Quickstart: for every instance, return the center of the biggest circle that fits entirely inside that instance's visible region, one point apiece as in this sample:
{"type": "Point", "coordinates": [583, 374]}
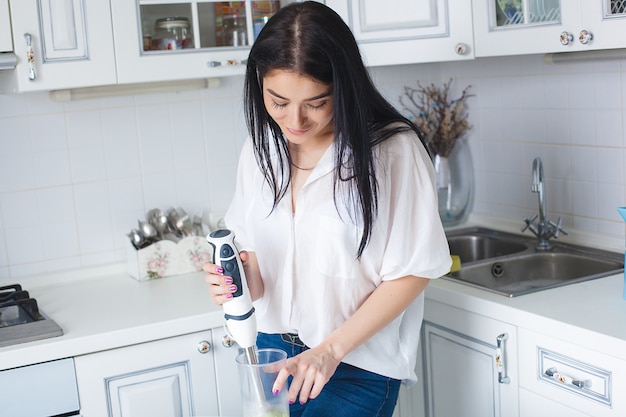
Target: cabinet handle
{"type": "Point", "coordinates": [461, 48]}
{"type": "Point", "coordinates": [585, 37]}
{"type": "Point", "coordinates": [566, 379]}
{"type": "Point", "coordinates": [502, 378]}
{"type": "Point", "coordinates": [566, 38]}
{"type": "Point", "coordinates": [30, 56]}
{"type": "Point", "coordinates": [204, 347]}
{"type": "Point", "coordinates": [227, 63]}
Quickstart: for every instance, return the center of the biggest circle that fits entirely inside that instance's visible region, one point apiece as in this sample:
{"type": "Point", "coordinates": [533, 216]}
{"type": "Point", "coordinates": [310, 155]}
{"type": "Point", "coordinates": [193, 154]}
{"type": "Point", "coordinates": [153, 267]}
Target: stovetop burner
{"type": "Point", "coordinates": [20, 318]}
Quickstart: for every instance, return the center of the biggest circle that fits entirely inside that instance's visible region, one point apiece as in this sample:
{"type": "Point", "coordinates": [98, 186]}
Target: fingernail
{"type": "Point", "coordinates": [233, 288]}
{"type": "Point", "coordinates": [229, 296]}
{"type": "Point", "coordinates": [291, 402]}
{"type": "Point", "coordinates": [275, 392]}
{"type": "Point", "coordinates": [302, 402]}
{"type": "Point", "coordinates": [220, 270]}
{"type": "Point", "coordinates": [228, 280]}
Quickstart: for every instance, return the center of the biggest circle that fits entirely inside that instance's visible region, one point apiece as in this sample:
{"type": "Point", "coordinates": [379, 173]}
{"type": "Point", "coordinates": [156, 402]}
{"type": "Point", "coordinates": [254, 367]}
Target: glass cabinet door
{"type": "Point", "coordinates": [517, 27]}
{"type": "Point", "coordinates": [175, 25]}
{"type": "Point", "coordinates": [166, 40]}
{"type": "Point", "coordinates": [602, 24]}
{"type": "Point", "coordinates": [525, 12]}
{"type": "Point", "coordinates": [616, 8]}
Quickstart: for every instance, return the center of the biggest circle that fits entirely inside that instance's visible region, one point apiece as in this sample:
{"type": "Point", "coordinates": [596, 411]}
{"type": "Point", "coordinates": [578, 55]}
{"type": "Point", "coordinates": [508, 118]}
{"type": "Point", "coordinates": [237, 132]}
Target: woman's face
{"type": "Point", "coordinates": [301, 105]}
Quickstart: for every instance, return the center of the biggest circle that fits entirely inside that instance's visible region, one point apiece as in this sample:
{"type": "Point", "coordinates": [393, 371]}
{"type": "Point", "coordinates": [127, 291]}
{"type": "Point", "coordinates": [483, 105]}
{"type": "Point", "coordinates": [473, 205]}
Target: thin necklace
{"type": "Point", "coordinates": [301, 169]}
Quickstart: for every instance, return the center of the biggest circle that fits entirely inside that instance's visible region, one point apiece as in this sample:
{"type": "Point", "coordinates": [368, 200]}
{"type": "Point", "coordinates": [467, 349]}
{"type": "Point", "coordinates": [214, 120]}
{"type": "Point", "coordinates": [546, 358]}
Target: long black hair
{"type": "Point", "coordinates": [310, 39]}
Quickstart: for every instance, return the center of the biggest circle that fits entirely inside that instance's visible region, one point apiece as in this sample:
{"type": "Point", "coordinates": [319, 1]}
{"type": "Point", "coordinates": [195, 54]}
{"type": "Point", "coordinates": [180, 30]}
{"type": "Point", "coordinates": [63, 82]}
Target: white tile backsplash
{"type": "Point", "coordinates": [76, 176]}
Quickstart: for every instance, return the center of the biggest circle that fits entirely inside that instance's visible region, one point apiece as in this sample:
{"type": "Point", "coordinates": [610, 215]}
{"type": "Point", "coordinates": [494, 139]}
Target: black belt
{"type": "Point", "coordinates": [292, 338]}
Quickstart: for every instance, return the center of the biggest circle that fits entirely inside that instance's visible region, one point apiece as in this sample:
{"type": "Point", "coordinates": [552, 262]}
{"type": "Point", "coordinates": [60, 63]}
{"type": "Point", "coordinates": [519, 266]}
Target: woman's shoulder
{"type": "Point", "coordinates": [403, 139]}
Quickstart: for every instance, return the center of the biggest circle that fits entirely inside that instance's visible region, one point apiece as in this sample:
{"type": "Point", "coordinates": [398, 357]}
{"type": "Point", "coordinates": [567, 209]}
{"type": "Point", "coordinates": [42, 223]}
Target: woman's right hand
{"type": "Point", "coordinates": [221, 286]}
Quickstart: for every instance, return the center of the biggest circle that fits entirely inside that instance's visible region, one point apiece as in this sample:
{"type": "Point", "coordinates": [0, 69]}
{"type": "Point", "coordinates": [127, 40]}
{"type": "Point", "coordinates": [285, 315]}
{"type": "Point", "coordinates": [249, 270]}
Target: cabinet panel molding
{"type": "Point", "coordinates": [462, 368]}
{"type": "Point", "coordinates": [603, 377]}
{"type": "Point", "coordinates": [462, 361]}
{"type": "Point", "coordinates": [63, 29]}
{"type": "Point", "coordinates": [162, 377]}
{"type": "Point", "coordinates": [162, 390]}
{"type": "Point", "coordinates": [556, 369]}
{"type": "Point", "coordinates": [375, 21]}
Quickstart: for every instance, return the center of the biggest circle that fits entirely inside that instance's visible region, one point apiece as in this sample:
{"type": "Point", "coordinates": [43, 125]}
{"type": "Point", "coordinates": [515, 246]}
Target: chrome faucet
{"type": "Point", "coordinates": [544, 229]}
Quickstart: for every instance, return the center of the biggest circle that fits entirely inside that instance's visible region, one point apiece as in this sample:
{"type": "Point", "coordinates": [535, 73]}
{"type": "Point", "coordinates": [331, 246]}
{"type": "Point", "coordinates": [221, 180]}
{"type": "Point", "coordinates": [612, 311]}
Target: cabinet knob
{"type": "Point", "coordinates": [566, 38]}
{"type": "Point", "coordinates": [227, 63]}
{"type": "Point", "coordinates": [585, 37]}
{"type": "Point", "coordinates": [227, 341]}
{"type": "Point", "coordinates": [204, 347]}
{"type": "Point", "coordinates": [461, 48]}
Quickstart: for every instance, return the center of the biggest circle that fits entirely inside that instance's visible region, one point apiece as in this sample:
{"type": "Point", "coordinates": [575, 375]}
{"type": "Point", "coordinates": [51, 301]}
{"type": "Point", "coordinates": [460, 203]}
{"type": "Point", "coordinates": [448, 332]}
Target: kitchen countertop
{"type": "Point", "coordinates": [100, 309]}
{"type": "Point", "coordinates": [104, 308]}
{"type": "Point", "coordinates": [590, 314]}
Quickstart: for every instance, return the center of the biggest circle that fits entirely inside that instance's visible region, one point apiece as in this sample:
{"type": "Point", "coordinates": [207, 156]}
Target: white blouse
{"type": "Point", "coordinates": [313, 281]}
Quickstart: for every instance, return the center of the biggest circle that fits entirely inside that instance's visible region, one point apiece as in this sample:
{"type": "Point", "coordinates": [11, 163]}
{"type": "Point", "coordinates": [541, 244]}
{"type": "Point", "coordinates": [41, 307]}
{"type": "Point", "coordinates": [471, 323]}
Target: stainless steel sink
{"type": "Point", "coordinates": [476, 244]}
{"type": "Point", "coordinates": [509, 264]}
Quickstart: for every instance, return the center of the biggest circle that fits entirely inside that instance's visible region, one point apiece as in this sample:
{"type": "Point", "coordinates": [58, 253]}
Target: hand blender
{"type": "Point", "coordinates": [238, 312]}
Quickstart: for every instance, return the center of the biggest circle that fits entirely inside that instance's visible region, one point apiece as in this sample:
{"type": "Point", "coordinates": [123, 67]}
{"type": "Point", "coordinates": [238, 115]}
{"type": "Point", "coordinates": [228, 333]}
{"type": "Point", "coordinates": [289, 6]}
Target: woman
{"type": "Point", "coordinates": [336, 215]}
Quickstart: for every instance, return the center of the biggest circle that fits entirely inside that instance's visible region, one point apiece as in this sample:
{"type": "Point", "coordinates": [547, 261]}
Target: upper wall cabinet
{"type": "Point", "coordinates": [60, 44]}
{"type": "Point", "coordinates": [393, 32]}
{"type": "Point", "coordinates": [6, 43]}
{"type": "Point", "coordinates": [159, 40]}
{"type": "Point", "coordinates": [65, 44]}
{"type": "Point", "coordinates": [514, 27]}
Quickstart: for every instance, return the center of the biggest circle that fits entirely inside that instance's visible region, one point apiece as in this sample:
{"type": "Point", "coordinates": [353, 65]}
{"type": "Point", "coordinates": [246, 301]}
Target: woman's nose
{"type": "Point", "coordinates": [296, 117]}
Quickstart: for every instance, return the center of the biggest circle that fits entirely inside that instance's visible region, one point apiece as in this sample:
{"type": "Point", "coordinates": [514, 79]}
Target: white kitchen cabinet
{"type": "Point", "coordinates": [465, 372]}
{"type": "Point", "coordinates": [534, 405]}
{"type": "Point", "coordinates": [516, 27]}
{"type": "Point", "coordinates": [562, 378]}
{"type": "Point", "coordinates": [189, 375]}
{"type": "Point", "coordinates": [216, 43]}
{"type": "Point", "coordinates": [71, 44]}
{"type": "Point", "coordinates": [394, 32]}
{"type": "Point", "coordinates": [6, 42]}
{"type": "Point", "coordinates": [411, 399]}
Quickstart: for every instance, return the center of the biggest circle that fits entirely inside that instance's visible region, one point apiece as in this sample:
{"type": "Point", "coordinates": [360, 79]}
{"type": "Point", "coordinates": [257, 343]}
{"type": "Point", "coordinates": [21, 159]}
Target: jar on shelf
{"type": "Point", "coordinates": [234, 29]}
{"type": "Point", "coordinates": [259, 23]}
{"type": "Point", "coordinates": [172, 33]}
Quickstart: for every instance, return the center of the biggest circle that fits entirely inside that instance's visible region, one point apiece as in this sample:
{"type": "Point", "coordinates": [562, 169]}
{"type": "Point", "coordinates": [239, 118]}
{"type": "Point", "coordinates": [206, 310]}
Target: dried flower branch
{"type": "Point", "coordinates": [442, 121]}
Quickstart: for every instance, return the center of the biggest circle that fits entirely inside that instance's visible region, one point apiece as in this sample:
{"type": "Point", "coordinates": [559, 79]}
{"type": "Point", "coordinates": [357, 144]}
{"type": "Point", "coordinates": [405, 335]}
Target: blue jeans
{"type": "Point", "coordinates": [351, 391]}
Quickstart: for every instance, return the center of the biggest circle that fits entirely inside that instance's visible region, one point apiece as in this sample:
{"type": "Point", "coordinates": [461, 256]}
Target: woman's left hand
{"type": "Point", "coordinates": [311, 370]}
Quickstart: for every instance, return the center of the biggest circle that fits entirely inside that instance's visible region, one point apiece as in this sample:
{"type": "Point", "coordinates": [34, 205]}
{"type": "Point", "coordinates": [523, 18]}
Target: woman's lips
{"type": "Point", "coordinates": [297, 131]}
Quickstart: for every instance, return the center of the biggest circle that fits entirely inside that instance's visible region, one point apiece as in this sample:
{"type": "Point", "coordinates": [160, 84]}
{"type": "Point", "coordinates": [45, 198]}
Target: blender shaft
{"type": "Point", "coordinates": [257, 385]}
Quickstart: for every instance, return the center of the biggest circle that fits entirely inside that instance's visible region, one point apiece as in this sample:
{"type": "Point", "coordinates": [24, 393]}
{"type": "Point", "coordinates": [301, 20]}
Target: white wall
{"type": "Point", "coordinates": [75, 177]}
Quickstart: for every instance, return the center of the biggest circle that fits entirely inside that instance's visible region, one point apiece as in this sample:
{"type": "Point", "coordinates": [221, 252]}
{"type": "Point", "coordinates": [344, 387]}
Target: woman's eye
{"type": "Point", "coordinates": [278, 105]}
{"type": "Point", "coordinates": [318, 106]}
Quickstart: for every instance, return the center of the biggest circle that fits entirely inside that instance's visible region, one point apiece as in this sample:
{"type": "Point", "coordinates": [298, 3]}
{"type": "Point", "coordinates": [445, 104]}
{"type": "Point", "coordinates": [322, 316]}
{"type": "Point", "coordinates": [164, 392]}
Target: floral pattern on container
{"type": "Point", "coordinates": [199, 255]}
{"type": "Point", "coordinates": [167, 258]}
{"type": "Point", "coordinates": [157, 265]}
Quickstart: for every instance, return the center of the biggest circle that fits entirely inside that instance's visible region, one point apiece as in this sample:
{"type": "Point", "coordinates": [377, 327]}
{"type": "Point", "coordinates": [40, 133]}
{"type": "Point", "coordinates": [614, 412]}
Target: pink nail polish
{"type": "Point", "coordinates": [275, 392]}
{"type": "Point", "coordinates": [291, 402]}
{"type": "Point", "coordinates": [229, 296]}
{"type": "Point", "coordinates": [220, 270]}
{"type": "Point", "coordinates": [228, 280]}
{"type": "Point", "coordinates": [233, 288]}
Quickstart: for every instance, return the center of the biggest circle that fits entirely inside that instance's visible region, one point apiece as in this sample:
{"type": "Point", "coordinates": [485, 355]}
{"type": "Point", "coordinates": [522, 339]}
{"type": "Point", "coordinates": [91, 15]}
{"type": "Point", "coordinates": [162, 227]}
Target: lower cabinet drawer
{"type": "Point", "coordinates": [567, 375]}
{"type": "Point", "coordinates": [534, 405]}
